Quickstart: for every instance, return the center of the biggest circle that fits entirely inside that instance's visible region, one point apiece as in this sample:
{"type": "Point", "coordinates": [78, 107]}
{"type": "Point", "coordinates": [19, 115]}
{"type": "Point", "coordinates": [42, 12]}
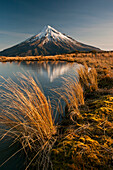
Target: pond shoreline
{"type": "Point", "coordinates": [98, 59]}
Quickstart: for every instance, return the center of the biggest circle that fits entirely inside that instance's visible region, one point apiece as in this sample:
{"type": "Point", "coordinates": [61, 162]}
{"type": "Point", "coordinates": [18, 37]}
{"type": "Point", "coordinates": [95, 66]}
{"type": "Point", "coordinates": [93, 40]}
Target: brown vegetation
{"type": "Point", "coordinates": [86, 140]}
{"type": "Point", "coordinates": [88, 78]}
{"type": "Point", "coordinates": [26, 116]}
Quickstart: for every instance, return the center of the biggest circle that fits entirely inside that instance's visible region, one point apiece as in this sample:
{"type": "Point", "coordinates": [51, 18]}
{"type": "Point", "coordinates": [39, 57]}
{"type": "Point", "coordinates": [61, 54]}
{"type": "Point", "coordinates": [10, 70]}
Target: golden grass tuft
{"type": "Point", "coordinates": [72, 95]}
{"type": "Point", "coordinates": [73, 92]}
{"type": "Point", "coordinates": [27, 117]}
{"type": "Point", "coordinates": [88, 78]}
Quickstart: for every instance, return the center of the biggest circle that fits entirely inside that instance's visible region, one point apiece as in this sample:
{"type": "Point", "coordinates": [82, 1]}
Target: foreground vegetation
{"type": "Point", "coordinates": [84, 137]}
{"type": "Point", "coordinates": [26, 116]}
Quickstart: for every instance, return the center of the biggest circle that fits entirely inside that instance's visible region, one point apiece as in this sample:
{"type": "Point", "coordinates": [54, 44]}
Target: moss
{"type": "Point", "coordinates": [103, 108]}
{"type": "Point", "coordinates": [82, 139]}
{"type": "Point", "coordinates": [104, 111]}
{"type": "Point", "coordinates": [93, 119]}
{"type": "Point", "coordinates": [88, 143]}
{"type": "Point", "coordinates": [93, 159]}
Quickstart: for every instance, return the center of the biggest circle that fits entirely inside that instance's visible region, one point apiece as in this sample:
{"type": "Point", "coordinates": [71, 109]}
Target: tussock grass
{"type": "Point", "coordinates": [72, 95]}
{"type": "Point", "coordinates": [26, 115]}
{"type": "Point", "coordinates": [73, 92]}
{"type": "Point", "coordinates": [88, 78]}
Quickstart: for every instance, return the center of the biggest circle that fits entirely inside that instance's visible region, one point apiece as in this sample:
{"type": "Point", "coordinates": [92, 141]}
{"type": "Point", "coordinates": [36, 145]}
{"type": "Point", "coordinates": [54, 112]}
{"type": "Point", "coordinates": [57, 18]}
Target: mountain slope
{"type": "Point", "coordinates": [48, 42]}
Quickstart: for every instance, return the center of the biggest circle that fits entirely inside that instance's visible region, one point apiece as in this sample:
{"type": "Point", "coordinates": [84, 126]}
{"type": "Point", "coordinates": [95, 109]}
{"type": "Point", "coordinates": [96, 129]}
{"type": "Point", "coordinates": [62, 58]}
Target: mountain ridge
{"type": "Point", "coordinates": [48, 42]}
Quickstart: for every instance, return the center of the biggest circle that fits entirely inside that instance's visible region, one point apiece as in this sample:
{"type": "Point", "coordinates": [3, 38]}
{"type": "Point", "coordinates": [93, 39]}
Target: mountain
{"type": "Point", "coordinates": [48, 42]}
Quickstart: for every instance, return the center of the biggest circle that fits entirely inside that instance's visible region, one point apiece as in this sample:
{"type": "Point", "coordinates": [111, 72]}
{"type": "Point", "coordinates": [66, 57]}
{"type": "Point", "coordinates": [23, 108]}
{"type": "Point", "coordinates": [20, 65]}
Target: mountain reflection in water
{"type": "Point", "coordinates": [52, 70]}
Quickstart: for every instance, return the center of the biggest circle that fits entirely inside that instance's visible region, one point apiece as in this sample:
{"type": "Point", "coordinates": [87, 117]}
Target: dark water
{"type": "Point", "coordinates": [49, 75]}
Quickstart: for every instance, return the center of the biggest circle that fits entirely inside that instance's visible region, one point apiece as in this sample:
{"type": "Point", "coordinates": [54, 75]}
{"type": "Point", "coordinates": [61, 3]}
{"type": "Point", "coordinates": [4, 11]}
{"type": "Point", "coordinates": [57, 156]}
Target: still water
{"type": "Point", "coordinates": [50, 76]}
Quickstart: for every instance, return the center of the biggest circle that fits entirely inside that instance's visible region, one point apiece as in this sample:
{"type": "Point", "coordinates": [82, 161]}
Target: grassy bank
{"type": "Point", "coordinates": [84, 138]}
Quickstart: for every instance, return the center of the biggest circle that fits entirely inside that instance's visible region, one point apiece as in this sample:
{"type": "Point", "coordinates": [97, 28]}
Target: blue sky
{"type": "Point", "coordinates": [87, 21]}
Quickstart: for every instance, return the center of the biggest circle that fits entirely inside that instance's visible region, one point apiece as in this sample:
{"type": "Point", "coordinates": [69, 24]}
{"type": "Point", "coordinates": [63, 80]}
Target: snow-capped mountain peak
{"type": "Point", "coordinates": [50, 34]}
{"type": "Point", "coordinates": [49, 29]}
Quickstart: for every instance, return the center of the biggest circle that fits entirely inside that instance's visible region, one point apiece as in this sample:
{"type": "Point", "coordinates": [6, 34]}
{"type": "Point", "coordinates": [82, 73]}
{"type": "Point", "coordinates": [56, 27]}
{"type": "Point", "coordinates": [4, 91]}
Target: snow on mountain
{"type": "Point", "coordinates": [48, 42]}
{"type": "Point", "coordinates": [50, 34]}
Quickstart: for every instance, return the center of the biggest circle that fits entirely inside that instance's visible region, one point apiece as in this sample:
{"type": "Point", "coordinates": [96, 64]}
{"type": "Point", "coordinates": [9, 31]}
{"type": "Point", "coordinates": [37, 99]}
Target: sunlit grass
{"type": "Point", "coordinates": [26, 115]}
{"type": "Point", "coordinates": [88, 78]}
{"type": "Point", "coordinates": [72, 94]}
